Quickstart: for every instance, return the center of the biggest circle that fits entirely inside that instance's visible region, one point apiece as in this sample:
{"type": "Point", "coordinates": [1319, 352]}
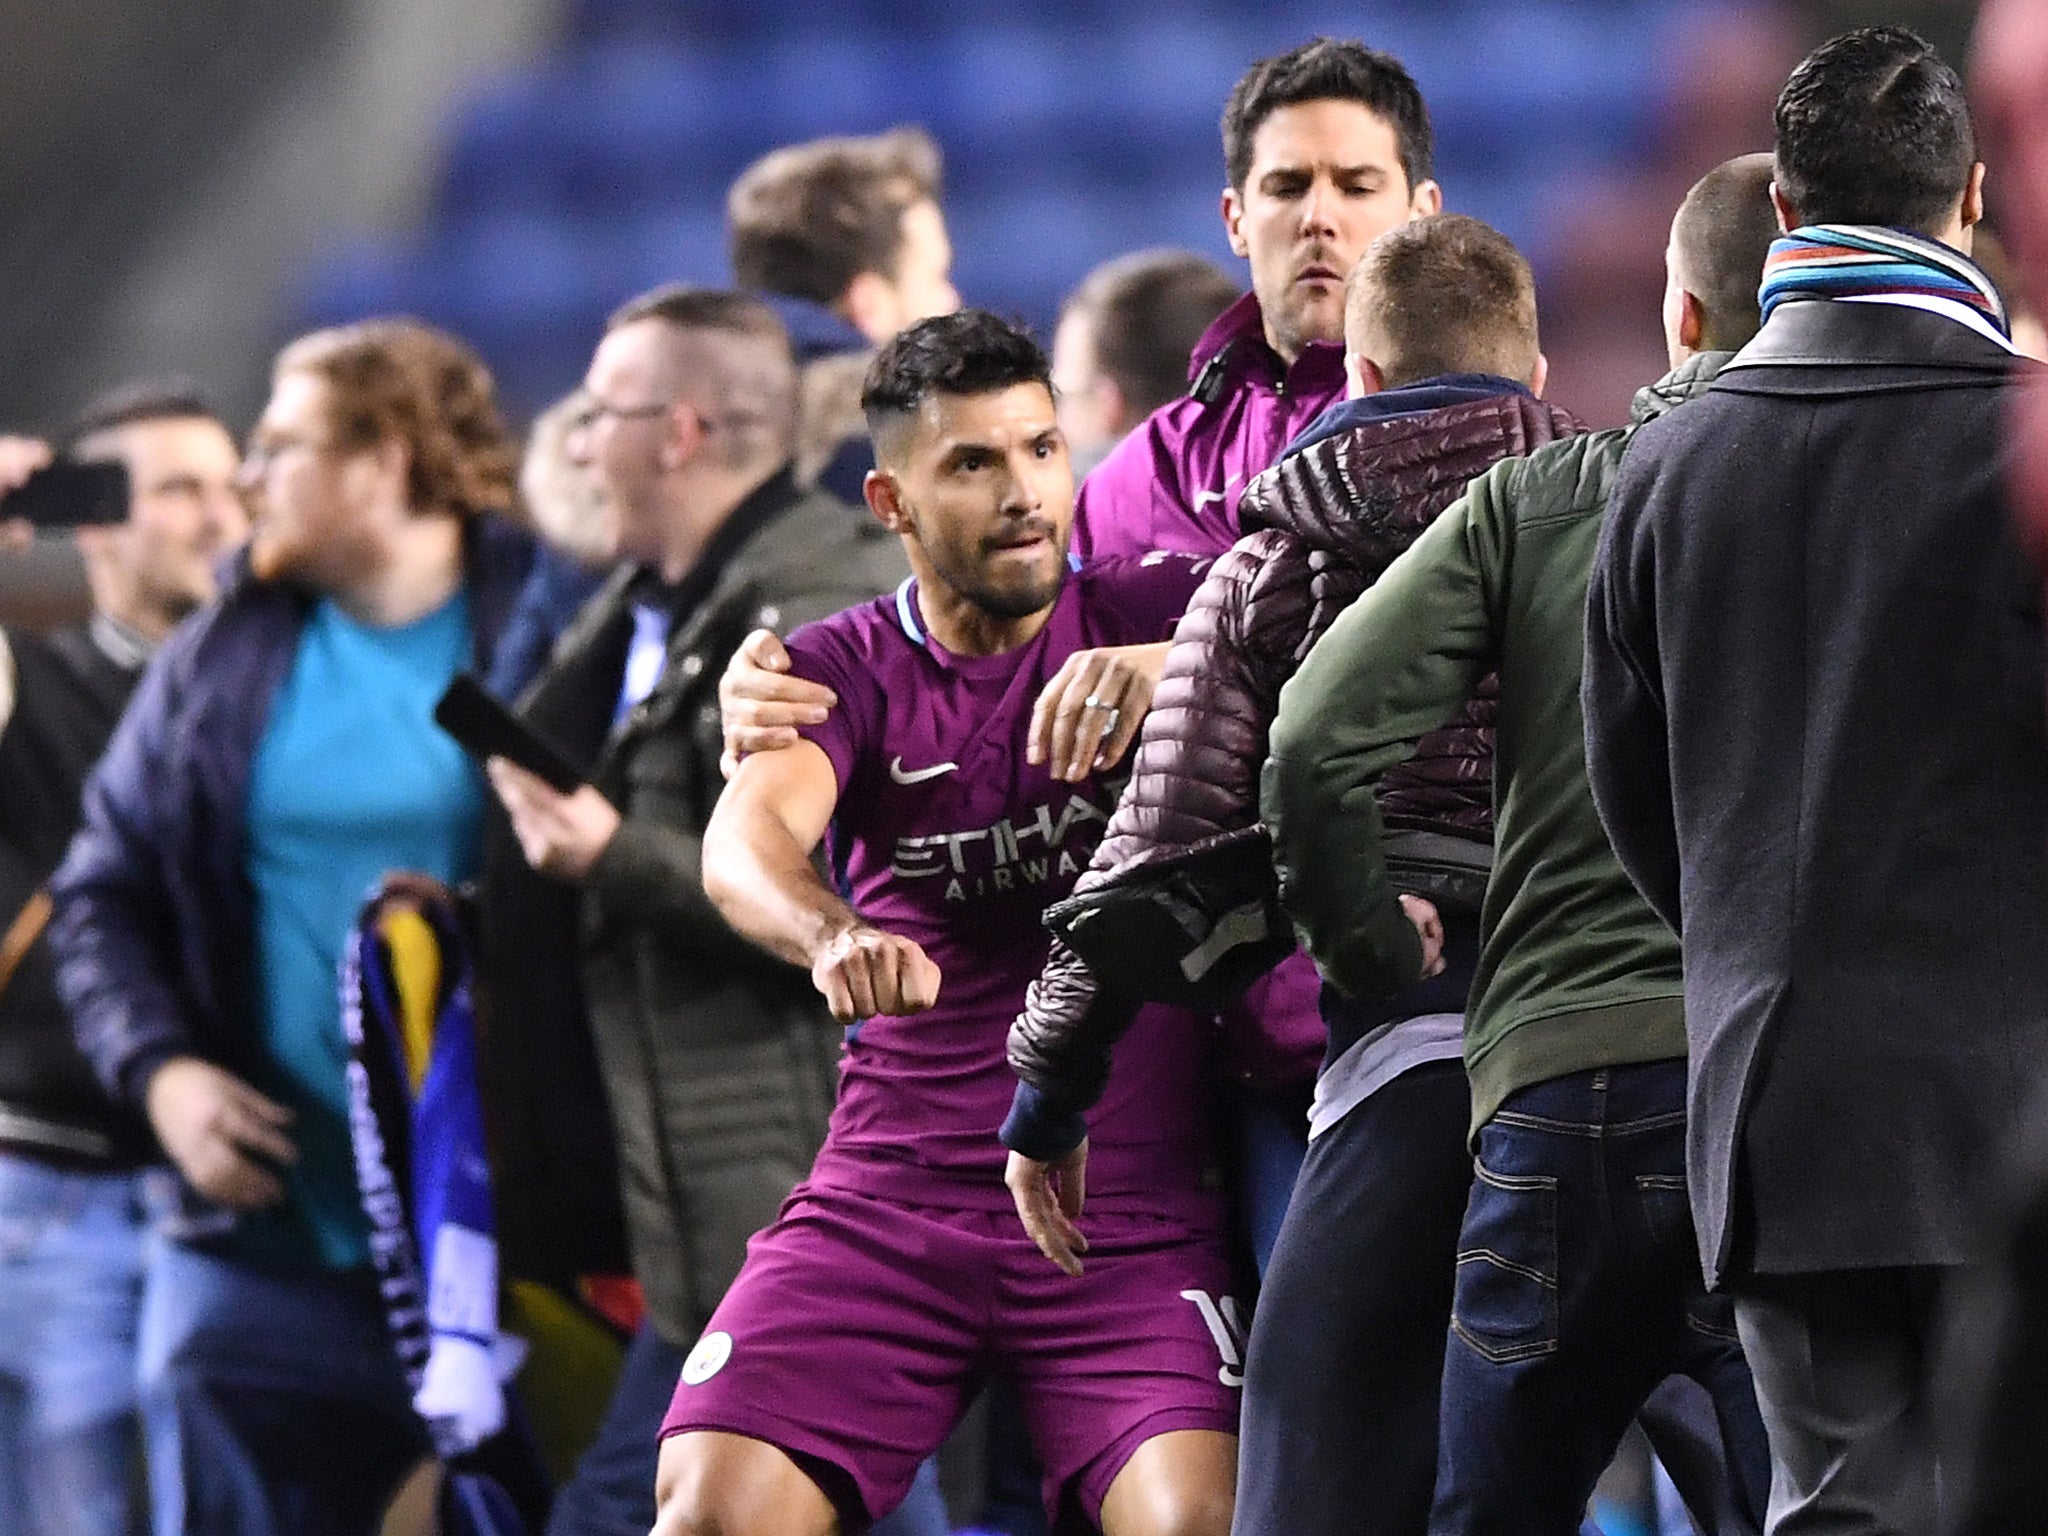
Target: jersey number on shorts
{"type": "Point", "coordinates": [1219, 1315]}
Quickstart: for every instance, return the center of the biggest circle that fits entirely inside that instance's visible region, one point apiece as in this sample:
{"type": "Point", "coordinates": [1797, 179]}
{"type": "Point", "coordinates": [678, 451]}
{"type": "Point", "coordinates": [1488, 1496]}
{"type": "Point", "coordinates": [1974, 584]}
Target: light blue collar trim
{"type": "Point", "coordinates": [906, 611]}
{"type": "Point", "coordinates": [906, 605]}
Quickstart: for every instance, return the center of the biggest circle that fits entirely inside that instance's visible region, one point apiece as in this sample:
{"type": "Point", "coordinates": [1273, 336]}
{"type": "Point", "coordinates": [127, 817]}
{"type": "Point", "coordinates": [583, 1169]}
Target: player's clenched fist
{"type": "Point", "coordinates": [864, 972]}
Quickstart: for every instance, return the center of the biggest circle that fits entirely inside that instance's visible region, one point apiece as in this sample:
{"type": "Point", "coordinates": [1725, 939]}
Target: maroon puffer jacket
{"type": "Point", "coordinates": [1328, 520]}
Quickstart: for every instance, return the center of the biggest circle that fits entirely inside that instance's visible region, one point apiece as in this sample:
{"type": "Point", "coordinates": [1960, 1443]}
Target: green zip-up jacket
{"type": "Point", "coordinates": [1575, 971]}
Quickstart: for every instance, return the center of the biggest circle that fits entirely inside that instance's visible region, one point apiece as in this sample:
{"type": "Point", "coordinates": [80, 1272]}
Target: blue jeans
{"type": "Point", "coordinates": [612, 1491]}
{"type": "Point", "coordinates": [1272, 1126]}
{"type": "Point", "coordinates": [273, 1403]}
{"type": "Point", "coordinates": [1578, 1291]}
{"type": "Point", "coordinates": [70, 1284]}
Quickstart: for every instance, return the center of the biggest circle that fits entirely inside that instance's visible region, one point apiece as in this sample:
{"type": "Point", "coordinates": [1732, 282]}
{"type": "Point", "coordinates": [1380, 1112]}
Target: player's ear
{"type": "Point", "coordinates": [885, 501]}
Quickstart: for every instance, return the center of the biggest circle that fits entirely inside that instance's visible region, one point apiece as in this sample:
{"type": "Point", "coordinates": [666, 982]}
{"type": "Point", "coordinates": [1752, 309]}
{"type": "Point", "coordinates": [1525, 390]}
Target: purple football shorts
{"type": "Point", "coordinates": [861, 1327]}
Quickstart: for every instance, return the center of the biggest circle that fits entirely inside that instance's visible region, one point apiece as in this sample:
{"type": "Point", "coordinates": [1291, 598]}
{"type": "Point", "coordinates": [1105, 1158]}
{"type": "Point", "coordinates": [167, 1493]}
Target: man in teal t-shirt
{"type": "Point", "coordinates": [278, 761]}
{"type": "Point", "coordinates": [351, 780]}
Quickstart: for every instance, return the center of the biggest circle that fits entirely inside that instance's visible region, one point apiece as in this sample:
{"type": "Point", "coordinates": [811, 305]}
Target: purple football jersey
{"type": "Point", "coordinates": [945, 835]}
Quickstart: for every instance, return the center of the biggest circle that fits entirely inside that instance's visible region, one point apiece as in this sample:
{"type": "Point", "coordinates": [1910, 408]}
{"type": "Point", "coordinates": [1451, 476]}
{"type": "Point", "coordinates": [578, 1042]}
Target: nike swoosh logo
{"type": "Point", "coordinates": [904, 775]}
{"type": "Point", "coordinates": [1203, 498]}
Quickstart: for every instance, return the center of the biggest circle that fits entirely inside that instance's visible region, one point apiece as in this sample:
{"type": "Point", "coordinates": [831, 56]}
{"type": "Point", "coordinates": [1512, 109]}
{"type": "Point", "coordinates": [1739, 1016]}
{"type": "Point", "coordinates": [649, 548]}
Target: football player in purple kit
{"type": "Point", "coordinates": [898, 1276]}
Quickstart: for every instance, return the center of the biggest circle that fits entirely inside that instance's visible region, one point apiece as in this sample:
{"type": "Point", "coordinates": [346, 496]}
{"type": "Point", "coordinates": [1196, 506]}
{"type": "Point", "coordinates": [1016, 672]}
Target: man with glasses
{"type": "Point", "coordinates": [719, 1061]}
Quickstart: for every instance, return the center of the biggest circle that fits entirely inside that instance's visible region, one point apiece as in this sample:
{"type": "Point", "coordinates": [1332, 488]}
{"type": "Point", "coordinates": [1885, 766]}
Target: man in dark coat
{"type": "Point", "coordinates": [719, 1061]}
{"type": "Point", "coordinates": [1815, 734]}
{"type": "Point", "coordinates": [70, 1186]}
{"type": "Point", "coordinates": [277, 760]}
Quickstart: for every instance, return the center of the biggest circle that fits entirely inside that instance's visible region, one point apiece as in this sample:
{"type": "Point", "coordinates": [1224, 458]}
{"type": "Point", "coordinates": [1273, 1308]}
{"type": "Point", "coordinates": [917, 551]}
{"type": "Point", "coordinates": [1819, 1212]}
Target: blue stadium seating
{"type": "Point", "coordinates": [1072, 131]}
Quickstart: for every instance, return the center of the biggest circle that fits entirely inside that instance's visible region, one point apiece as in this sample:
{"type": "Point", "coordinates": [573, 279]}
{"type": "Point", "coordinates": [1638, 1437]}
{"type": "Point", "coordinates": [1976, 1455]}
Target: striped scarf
{"type": "Point", "coordinates": [1834, 261]}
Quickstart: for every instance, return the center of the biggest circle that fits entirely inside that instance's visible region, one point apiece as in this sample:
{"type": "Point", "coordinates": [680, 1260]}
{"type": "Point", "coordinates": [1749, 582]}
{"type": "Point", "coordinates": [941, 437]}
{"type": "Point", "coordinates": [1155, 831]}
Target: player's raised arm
{"type": "Point", "coordinates": [758, 871]}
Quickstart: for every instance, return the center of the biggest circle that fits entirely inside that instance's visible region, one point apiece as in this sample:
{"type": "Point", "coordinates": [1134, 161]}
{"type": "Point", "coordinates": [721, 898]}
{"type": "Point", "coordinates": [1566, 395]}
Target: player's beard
{"type": "Point", "coordinates": [1016, 600]}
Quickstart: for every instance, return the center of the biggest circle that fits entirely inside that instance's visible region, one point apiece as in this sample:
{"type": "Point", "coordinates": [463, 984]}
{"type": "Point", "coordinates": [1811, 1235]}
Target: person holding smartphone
{"type": "Point", "coordinates": [278, 759]}
{"type": "Point", "coordinates": [71, 1285]}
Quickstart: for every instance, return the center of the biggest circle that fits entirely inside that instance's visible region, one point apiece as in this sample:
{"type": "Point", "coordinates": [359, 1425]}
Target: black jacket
{"type": "Point", "coordinates": [719, 1061]}
{"type": "Point", "coordinates": [1813, 697]}
{"type": "Point", "coordinates": [69, 690]}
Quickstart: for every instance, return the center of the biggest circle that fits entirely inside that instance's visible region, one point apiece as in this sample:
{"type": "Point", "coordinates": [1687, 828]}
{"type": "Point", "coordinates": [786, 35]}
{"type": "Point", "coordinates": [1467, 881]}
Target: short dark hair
{"type": "Point", "coordinates": [1144, 313]}
{"type": "Point", "coordinates": [752, 385]}
{"type": "Point", "coordinates": [130, 405]}
{"type": "Point", "coordinates": [1445, 294]}
{"type": "Point", "coordinates": [690, 307]}
{"type": "Point", "coordinates": [1719, 240]}
{"type": "Point", "coordinates": [1873, 128]}
{"type": "Point", "coordinates": [806, 220]}
{"type": "Point", "coordinates": [1329, 69]}
{"type": "Point", "coordinates": [969, 352]}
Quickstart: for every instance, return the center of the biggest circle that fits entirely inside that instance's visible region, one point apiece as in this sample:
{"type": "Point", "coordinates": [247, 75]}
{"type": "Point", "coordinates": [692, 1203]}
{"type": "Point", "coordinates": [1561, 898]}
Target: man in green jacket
{"type": "Point", "coordinates": [1578, 1286]}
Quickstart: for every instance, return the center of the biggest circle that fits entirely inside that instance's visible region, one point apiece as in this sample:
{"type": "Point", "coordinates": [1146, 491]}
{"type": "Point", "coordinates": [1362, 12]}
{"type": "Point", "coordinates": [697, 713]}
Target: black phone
{"type": "Point", "coordinates": [67, 494]}
{"type": "Point", "coordinates": [484, 728]}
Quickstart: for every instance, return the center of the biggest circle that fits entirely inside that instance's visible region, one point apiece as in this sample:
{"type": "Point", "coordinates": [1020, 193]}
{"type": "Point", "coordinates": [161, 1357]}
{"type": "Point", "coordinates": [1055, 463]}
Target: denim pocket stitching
{"type": "Point", "coordinates": [1529, 1122]}
{"type": "Point", "coordinates": [1663, 1122]}
{"type": "Point", "coordinates": [1718, 1334]}
{"type": "Point", "coordinates": [1540, 1335]}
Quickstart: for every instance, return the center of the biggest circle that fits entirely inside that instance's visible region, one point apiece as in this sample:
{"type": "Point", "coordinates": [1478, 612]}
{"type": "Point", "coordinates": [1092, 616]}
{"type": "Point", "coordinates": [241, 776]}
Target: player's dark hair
{"type": "Point", "coordinates": [1329, 69]}
{"type": "Point", "coordinates": [1873, 128]}
{"type": "Point", "coordinates": [133, 404]}
{"type": "Point", "coordinates": [1720, 238]}
{"type": "Point", "coordinates": [807, 219]}
{"type": "Point", "coordinates": [1445, 294]}
{"type": "Point", "coordinates": [969, 352]}
{"type": "Point", "coordinates": [1144, 313]}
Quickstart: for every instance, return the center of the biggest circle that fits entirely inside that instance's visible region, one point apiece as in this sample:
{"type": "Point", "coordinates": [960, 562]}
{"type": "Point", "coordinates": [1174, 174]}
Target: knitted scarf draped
{"type": "Point", "coordinates": [416, 1117]}
{"type": "Point", "coordinates": [1836, 261]}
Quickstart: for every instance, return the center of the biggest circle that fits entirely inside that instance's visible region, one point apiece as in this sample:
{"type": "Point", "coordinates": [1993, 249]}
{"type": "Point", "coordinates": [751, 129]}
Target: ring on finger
{"type": "Point", "coordinates": [1096, 701]}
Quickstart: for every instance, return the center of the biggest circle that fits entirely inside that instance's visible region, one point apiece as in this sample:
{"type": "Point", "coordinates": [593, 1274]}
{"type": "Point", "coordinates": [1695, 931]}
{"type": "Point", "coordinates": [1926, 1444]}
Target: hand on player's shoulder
{"type": "Point", "coordinates": [864, 972]}
{"type": "Point", "coordinates": [761, 704]}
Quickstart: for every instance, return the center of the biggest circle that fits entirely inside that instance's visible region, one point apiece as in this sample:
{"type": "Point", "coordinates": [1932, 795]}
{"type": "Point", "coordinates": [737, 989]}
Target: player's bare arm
{"type": "Point", "coordinates": [758, 871]}
{"type": "Point", "coordinates": [761, 703]}
{"type": "Point", "coordinates": [1089, 714]}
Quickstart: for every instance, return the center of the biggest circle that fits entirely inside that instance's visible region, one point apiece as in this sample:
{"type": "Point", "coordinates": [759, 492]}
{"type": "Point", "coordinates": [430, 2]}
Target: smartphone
{"type": "Point", "coordinates": [484, 728]}
{"type": "Point", "coordinates": [67, 494]}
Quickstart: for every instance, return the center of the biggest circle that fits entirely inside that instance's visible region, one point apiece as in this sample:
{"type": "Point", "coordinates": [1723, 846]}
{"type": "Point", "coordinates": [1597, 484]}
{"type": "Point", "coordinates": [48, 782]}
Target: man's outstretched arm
{"type": "Point", "coordinates": [758, 871]}
{"type": "Point", "coordinates": [1084, 722]}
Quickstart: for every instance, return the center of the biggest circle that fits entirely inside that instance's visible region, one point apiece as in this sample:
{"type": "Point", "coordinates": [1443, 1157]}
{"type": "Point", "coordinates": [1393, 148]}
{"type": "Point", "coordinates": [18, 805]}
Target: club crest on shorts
{"type": "Point", "coordinates": [707, 1359]}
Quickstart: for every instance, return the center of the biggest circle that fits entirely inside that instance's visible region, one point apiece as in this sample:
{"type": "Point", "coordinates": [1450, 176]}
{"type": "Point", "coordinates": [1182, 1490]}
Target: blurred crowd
{"type": "Point", "coordinates": [1236, 924]}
